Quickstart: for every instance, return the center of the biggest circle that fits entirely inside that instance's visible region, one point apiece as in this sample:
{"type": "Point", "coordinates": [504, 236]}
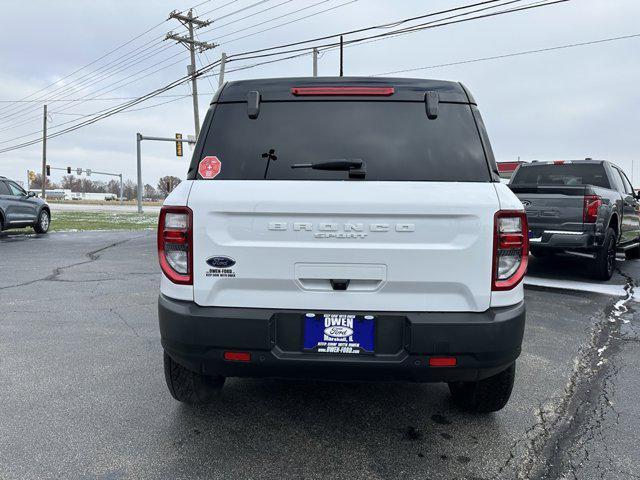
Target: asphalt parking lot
{"type": "Point", "coordinates": [83, 393]}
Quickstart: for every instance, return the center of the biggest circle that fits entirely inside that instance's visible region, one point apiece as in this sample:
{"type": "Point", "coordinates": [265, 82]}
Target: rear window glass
{"type": "Point", "coordinates": [395, 141]}
{"type": "Point", "coordinates": [4, 190]}
{"type": "Point", "coordinates": [567, 174]}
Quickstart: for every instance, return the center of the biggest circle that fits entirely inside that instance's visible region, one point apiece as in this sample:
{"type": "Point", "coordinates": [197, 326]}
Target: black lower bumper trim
{"type": "Point", "coordinates": [484, 343]}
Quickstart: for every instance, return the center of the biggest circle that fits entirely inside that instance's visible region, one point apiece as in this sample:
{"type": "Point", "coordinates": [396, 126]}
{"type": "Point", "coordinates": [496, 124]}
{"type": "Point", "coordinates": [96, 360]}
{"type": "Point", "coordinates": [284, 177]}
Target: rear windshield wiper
{"type": "Point", "coordinates": [356, 167]}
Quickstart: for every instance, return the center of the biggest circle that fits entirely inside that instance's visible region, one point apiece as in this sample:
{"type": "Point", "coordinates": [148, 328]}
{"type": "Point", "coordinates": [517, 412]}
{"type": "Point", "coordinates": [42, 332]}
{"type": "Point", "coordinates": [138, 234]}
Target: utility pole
{"type": "Point", "coordinates": [223, 62]}
{"type": "Point", "coordinates": [315, 62]}
{"type": "Point", "coordinates": [191, 43]}
{"type": "Point", "coordinates": [44, 149]}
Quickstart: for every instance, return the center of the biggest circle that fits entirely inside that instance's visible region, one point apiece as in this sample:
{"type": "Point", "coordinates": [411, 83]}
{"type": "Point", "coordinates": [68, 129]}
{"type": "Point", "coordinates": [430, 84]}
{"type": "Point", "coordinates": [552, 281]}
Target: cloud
{"type": "Point", "coordinates": [565, 104]}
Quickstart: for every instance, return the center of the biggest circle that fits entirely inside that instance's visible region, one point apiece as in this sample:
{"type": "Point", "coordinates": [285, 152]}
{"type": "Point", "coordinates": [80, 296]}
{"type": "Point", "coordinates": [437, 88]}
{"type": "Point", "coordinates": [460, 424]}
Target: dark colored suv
{"type": "Point", "coordinates": [19, 208]}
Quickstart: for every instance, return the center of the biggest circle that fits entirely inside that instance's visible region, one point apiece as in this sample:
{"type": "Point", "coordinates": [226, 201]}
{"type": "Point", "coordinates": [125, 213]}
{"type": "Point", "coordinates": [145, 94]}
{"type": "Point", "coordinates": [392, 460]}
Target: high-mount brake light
{"type": "Point", "coordinates": [343, 91]}
{"type": "Point", "coordinates": [592, 204]}
{"type": "Point", "coordinates": [510, 249]}
{"type": "Point", "coordinates": [175, 244]}
{"type": "Point", "coordinates": [558, 162]}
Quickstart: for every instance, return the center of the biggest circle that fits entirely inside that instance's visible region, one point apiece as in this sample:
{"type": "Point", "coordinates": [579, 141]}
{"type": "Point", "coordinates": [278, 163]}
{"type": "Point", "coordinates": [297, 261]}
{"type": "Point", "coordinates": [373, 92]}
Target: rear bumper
{"type": "Point", "coordinates": [563, 240]}
{"type": "Point", "coordinates": [484, 343]}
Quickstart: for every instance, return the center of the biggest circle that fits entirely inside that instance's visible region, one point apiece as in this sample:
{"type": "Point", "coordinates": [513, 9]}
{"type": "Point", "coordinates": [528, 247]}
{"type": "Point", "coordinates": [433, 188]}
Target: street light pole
{"type": "Point", "coordinates": [139, 139]}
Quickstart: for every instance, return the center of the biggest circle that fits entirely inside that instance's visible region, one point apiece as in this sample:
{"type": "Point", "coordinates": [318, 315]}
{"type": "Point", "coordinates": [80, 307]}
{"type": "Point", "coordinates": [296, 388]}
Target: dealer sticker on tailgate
{"type": "Point", "coordinates": [339, 333]}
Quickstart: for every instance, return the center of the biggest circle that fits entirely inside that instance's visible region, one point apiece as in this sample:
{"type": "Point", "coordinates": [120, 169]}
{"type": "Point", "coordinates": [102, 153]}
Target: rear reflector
{"type": "Point", "coordinates": [237, 356]}
{"type": "Point", "coordinates": [443, 361]}
{"type": "Point", "coordinates": [348, 91]}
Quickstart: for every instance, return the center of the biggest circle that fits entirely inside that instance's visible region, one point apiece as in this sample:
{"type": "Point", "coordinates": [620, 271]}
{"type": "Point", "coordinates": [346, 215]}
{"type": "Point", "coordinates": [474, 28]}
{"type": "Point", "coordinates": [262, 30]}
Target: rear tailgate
{"type": "Point", "coordinates": [552, 207]}
{"type": "Point", "coordinates": [423, 246]}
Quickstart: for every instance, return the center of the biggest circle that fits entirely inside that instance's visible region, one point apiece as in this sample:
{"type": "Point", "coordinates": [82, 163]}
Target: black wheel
{"type": "Point", "coordinates": [1, 223]}
{"type": "Point", "coordinates": [484, 396]}
{"type": "Point", "coordinates": [43, 222]}
{"type": "Point", "coordinates": [604, 264]}
{"type": "Point", "coordinates": [190, 387]}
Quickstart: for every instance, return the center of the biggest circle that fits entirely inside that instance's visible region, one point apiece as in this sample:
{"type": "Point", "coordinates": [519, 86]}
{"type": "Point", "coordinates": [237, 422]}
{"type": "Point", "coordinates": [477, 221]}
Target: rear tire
{"type": "Point", "coordinates": [604, 264]}
{"type": "Point", "coordinates": [484, 396]}
{"type": "Point", "coordinates": [43, 222]}
{"type": "Point", "coordinates": [190, 387]}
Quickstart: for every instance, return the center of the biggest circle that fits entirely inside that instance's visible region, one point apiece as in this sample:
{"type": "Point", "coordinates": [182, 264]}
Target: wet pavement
{"type": "Point", "coordinates": [83, 393]}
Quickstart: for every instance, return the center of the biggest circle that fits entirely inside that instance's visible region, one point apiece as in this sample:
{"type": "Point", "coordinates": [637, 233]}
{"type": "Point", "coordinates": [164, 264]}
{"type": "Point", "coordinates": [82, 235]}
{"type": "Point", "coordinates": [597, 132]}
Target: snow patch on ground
{"type": "Point", "coordinates": [606, 289]}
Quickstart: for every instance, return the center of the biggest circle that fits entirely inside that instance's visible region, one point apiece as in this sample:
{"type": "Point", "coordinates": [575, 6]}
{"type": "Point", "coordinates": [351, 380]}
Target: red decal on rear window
{"type": "Point", "coordinates": [209, 167]}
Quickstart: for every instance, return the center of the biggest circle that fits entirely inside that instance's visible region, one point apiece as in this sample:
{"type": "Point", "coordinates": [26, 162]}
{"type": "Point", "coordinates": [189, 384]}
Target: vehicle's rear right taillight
{"type": "Point", "coordinates": [175, 244]}
{"type": "Point", "coordinates": [592, 204]}
{"type": "Point", "coordinates": [510, 249]}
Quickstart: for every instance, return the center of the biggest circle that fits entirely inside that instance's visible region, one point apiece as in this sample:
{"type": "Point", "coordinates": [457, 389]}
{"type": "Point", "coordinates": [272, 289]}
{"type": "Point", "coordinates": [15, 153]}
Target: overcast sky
{"type": "Point", "coordinates": [572, 103]}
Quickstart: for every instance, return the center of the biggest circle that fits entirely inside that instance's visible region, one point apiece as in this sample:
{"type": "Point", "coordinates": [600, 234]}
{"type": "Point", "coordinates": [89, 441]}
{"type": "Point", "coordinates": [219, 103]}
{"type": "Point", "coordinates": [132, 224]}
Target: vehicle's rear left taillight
{"type": "Point", "coordinates": [510, 249]}
{"type": "Point", "coordinates": [590, 209]}
{"type": "Point", "coordinates": [175, 244]}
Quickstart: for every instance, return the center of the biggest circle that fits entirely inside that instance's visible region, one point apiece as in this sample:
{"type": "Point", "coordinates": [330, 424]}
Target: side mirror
{"type": "Point", "coordinates": [31, 194]}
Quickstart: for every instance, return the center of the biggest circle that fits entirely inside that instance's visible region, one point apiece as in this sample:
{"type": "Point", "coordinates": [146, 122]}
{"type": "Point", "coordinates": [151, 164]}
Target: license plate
{"type": "Point", "coordinates": [343, 334]}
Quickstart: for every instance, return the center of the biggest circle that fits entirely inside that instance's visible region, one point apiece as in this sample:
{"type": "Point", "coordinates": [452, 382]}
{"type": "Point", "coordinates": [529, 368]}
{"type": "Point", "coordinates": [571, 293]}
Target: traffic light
{"type": "Point", "coordinates": [178, 145]}
{"type": "Point", "coordinates": [32, 175]}
{"type": "Point", "coordinates": [68, 170]}
{"type": "Point", "coordinates": [48, 170]}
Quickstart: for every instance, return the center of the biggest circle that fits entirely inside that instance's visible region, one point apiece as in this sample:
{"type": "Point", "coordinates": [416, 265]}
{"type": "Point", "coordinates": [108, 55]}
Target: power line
{"type": "Point", "coordinates": [244, 56]}
{"type": "Point", "coordinates": [116, 88]}
{"type": "Point", "coordinates": [269, 20]}
{"type": "Point", "coordinates": [236, 11]}
{"type": "Point", "coordinates": [219, 8]}
{"type": "Point", "coordinates": [97, 99]}
{"type": "Point", "coordinates": [292, 21]}
{"type": "Point", "coordinates": [437, 22]}
{"type": "Point", "coordinates": [96, 60]}
{"type": "Point", "coordinates": [509, 55]}
{"type": "Point", "coordinates": [115, 61]}
{"type": "Point", "coordinates": [245, 17]}
{"type": "Point", "coordinates": [426, 26]}
{"type": "Point", "coordinates": [84, 85]}
{"type": "Point", "coordinates": [360, 30]}
{"type": "Point", "coordinates": [113, 111]}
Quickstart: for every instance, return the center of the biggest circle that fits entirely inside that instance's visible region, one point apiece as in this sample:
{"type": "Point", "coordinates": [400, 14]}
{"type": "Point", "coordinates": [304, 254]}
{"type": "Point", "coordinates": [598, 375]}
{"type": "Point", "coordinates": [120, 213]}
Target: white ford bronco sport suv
{"type": "Point", "coordinates": [343, 228]}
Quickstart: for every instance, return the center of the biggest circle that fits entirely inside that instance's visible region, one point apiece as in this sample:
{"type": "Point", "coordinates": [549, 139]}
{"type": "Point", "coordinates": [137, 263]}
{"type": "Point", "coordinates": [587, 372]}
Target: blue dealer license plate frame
{"type": "Point", "coordinates": [339, 333]}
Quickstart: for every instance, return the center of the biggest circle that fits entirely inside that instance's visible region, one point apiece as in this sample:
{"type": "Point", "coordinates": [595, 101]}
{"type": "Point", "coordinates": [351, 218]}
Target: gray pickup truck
{"type": "Point", "coordinates": [585, 207]}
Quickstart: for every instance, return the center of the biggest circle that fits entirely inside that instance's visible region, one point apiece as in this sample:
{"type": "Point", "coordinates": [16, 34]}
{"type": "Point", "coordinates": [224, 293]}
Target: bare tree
{"type": "Point", "coordinates": [150, 192]}
{"type": "Point", "coordinates": [70, 182]}
{"type": "Point", "coordinates": [130, 190]}
{"type": "Point", "coordinates": [167, 184]}
{"type": "Point", "coordinates": [37, 183]}
{"type": "Point", "coordinates": [113, 187]}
